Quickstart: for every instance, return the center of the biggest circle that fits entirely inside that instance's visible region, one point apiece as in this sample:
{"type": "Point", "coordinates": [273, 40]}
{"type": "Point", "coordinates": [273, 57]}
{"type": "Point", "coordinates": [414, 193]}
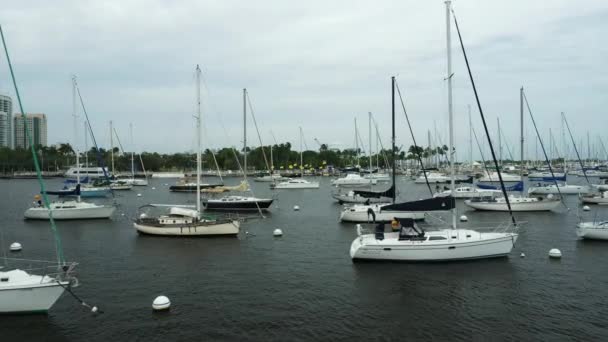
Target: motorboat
{"type": "Point", "coordinates": [506, 178]}
{"type": "Point", "coordinates": [564, 189]}
{"type": "Point", "coordinates": [353, 179]}
{"type": "Point", "coordinates": [412, 243]}
{"type": "Point", "coordinates": [85, 171]}
{"type": "Point", "coordinates": [185, 222]}
{"type": "Point", "coordinates": [601, 198]}
{"type": "Point", "coordinates": [517, 203]}
{"type": "Point", "coordinates": [592, 230]}
{"type": "Point", "coordinates": [467, 192]}
{"type": "Point", "coordinates": [186, 185]}
{"type": "Point", "coordinates": [296, 183]}
{"type": "Point", "coordinates": [69, 210]}
{"type": "Point", "coordinates": [269, 178]}
{"type": "Point", "coordinates": [378, 177]}
{"type": "Point", "coordinates": [433, 177]}
{"type": "Point", "coordinates": [136, 181]}
{"type": "Point", "coordinates": [546, 176]}
{"type": "Point", "coordinates": [365, 196]}
{"type": "Point", "coordinates": [237, 203]}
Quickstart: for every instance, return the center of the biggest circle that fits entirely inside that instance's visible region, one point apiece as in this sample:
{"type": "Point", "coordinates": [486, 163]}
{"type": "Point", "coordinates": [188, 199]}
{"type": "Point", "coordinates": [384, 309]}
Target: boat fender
{"type": "Point", "coordinates": [394, 224]}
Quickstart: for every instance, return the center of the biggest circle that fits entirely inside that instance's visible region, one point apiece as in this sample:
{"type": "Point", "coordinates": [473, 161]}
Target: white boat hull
{"type": "Point", "coordinates": [29, 297]}
{"type": "Point", "coordinates": [592, 230]}
{"type": "Point", "coordinates": [101, 212]}
{"type": "Point", "coordinates": [228, 228]}
{"type": "Point", "coordinates": [563, 189]}
{"type": "Point", "coordinates": [311, 185]}
{"type": "Point", "coordinates": [595, 200]}
{"type": "Point", "coordinates": [495, 245]}
{"type": "Point", "coordinates": [358, 199]}
{"type": "Point", "coordinates": [544, 205]}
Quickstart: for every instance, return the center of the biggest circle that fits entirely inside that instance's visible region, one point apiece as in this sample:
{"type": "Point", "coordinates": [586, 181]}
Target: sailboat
{"type": "Point", "coordinates": [297, 183]}
{"type": "Point", "coordinates": [515, 203]}
{"type": "Point", "coordinates": [70, 209]}
{"type": "Point", "coordinates": [182, 220]}
{"type": "Point", "coordinates": [592, 230]}
{"type": "Point", "coordinates": [412, 243]}
{"type": "Point", "coordinates": [135, 181]}
{"type": "Point", "coordinates": [365, 196]}
{"type": "Point", "coordinates": [22, 291]}
{"type": "Point", "coordinates": [387, 212]}
{"type": "Point", "coordinates": [239, 203]}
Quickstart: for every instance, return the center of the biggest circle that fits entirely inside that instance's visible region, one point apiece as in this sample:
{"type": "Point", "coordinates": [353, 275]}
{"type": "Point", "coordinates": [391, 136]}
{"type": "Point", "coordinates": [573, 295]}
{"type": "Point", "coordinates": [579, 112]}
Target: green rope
{"type": "Point", "coordinates": [58, 248]}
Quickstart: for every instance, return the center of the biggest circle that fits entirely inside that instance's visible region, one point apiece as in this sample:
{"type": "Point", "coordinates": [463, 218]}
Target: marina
{"type": "Point", "coordinates": [240, 207]}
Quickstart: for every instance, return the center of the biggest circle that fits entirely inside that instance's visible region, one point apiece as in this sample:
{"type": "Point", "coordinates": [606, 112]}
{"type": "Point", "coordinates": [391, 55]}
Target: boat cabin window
{"type": "Point", "coordinates": [5, 279]}
{"type": "Point", "coordinates": [431, 238]}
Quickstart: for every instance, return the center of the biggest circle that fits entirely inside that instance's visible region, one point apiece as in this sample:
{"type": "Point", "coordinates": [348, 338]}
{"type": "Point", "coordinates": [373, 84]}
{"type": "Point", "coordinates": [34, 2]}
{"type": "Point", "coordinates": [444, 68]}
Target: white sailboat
{"type": "Point", "coordinates": [601, 198]}
{"type": "Point", "coordinates": [72, 209]}
{"type": "Point", "coordinates": [592, 230]}
{"type": "Point", "coordinates": [182, 221]}
{"type": "Point", "coordinates": [411, 243]}
{"type": "Point", "coordinates": [506, 178]}
{"type": "Point", "coordinates": [135, 181]}
{"type": "Point", "coordinates": [433, 177]}
{"type": "Point", "coordinates": [518, 203]}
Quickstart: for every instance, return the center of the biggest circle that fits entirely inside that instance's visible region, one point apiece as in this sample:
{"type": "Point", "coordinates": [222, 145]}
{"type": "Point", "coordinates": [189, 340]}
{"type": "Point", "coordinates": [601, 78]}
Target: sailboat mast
{"type": "Point", "coordinates": [86, 144]}
{"type": "Point", "coordinates": [301, 155]}
{"type": "Point", "coordinates": [198, 139]}
{"type": "Point", "coordinates": [393, 134]}
{"type": "Point", "coordinates": [357, 142]}
{"type": "Point", "coordinates": [499, 142]}
{"type": "Point", "coordinates": [521, 130]}
{"type": "Point", "coordinates": [470, 138]}
{"type": "Point", "coordinates": [370, 141]}
{"type": "Point", "coordinates": [75, 133]}
{"type": "Point", "coordinates": [450, 105]}
{"type": "Point", "coordinates": [245, 133]}
{"type": "Point", "coordinates": [112, 146]}
{"type": "Point", "coordinates": [132, 149]}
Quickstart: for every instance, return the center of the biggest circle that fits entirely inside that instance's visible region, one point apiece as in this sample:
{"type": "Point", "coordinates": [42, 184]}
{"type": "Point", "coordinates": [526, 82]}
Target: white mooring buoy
{"type": "Point", "coordinates": [153, 188]}
{"type": "Point", "coordinates": [161, 303]}
{"type": "Point", "coordinates": [277, 232]}
{"type": "Point", "coordinates": [586, 208]}
{"type": "Point", "coordinates": [138, 195]}
{"type": "Point", "coordinates": [464, 218]}
{"type": "Point", "coordinates": [15, 247]}
{"type": "Point", "coordinates": [522, 255]}
{"type": "Point", "coordinates": [555, 253]}
{"type": "Point", "coordinates": [296, 207]}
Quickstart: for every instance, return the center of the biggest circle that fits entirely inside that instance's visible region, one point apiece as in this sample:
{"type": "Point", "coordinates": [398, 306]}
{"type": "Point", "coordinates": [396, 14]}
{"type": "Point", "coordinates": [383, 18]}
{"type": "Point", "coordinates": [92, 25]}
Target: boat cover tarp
{"type": "Point", "coordinates": [376, 194]}
{"type": "Point", "coordinates": [66, 192]}
{"type": "Point", "coordinates": [430, 204]}
{"type": "Point", "coordinates": [517, 187]}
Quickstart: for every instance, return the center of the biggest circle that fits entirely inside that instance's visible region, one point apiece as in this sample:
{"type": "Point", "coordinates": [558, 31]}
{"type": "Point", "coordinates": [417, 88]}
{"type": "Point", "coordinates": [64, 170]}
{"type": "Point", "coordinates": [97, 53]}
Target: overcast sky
{"type": "Point", "coordinates": [314, 64]}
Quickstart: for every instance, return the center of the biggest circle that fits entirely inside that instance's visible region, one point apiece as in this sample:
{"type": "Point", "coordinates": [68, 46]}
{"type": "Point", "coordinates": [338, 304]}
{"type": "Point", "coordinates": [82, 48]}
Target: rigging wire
{"type": "Point", "coordinates": [576, 149]}
{"type": "Point", "coordinates": [542, 145]}
{"type": "Point", "coordinates": [483, 120]}
{"type": "Point", "coordinates": [47, 203]}
{"type": "Point", "coordinates": [409, 125]}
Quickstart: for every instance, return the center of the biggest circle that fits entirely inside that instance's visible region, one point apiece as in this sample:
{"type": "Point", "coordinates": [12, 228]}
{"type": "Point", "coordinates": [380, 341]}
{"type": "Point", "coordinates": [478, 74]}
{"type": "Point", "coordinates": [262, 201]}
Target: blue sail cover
{"type": "Point", "coordinates": [517, 187]}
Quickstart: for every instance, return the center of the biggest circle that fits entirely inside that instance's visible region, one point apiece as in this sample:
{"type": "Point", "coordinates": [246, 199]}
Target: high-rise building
{"type": "Point", "coordinates": [6, 120]}
{"type": "Point", "coordinates": [36, 126]}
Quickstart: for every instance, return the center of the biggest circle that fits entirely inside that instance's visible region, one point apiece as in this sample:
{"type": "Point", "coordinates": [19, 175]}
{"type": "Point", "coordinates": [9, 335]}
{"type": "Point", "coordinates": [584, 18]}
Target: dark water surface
{"type": "Point", "coordinates": [304, 285]}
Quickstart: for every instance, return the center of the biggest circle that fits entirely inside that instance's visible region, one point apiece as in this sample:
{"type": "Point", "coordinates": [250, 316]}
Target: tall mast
{"type": "Point", "coordinates": [370, 141]}
{"type": "Point", "coordinates": [245, 133]}
{"type": "Point", "coordinates": [301, 156]}
{"type": "Point", "coordinates": [589, 150]}
{"type": "Point", "coordinates": [86, 144]}
{"type": "Point", "coordinates": [198, 139]}
{"type": "Point", "coordinates": [470, 138]}
{"type": "Point", "coordinates": [521, 130]}
{"type": "Point", "coordinates": [75, 132]}
{"type": "Point", "coordinates": [499, 142]}
{"type": "Point", "coordinates": [450, 106]}
{"type": "Point", "coordinates": [112, 146]}
{"type": "Point", "coordinates": [393, 134]}
{"type": "Point", "coordinates": [429, 157]}
{"type": "Point", "coordinates": [356, 142]}
{"type": "Point", "coordinates": [271, 161]}
{"type": "Point", "coordinates": [132, 149]}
